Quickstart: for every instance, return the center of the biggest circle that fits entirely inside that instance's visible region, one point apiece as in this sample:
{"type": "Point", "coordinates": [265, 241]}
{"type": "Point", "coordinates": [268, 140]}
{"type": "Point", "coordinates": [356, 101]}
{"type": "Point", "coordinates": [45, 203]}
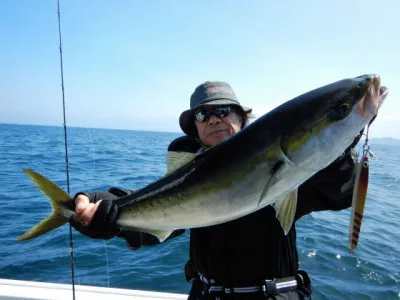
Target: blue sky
{"type": "Point", "coordinates": [134, 64]}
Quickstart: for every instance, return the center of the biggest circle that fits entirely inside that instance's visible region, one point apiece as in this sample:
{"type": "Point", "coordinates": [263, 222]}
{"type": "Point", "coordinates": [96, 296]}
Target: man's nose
{"type": "Point", "coordinates": [214, 120]}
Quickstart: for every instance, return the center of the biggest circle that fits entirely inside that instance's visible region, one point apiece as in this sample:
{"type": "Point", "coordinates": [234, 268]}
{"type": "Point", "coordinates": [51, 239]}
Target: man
{"type": "Point", "coordinates": [248, 258]}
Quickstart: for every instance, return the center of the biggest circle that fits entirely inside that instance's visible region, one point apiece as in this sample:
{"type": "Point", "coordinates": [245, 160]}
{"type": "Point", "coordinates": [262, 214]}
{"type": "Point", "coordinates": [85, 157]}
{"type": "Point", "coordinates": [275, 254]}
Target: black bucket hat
{"type": "Point", "coordinates": [216, 93]}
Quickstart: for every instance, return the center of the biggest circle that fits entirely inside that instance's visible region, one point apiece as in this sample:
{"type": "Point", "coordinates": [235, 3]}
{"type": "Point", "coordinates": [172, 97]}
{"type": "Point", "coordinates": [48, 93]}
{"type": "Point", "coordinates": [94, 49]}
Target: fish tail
{"type": "Point", "coordinates": [358, 202]}
{"type": "Point", "coordinates": [57, 197]}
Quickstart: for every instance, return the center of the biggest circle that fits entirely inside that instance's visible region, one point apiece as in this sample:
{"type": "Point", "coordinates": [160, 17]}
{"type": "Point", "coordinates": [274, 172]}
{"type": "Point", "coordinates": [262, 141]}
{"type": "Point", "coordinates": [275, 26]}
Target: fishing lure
{"type": "Point", "coordinates": [359, 195]}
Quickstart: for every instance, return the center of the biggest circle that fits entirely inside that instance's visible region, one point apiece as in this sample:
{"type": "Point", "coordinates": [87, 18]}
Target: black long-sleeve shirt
{"type": "Point", "coordinates": [247, 250]}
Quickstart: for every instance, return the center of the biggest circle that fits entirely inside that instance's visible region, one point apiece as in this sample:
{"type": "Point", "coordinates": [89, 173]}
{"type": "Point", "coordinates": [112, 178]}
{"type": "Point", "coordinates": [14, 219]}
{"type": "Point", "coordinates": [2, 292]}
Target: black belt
{"type": "Point", "coordinates": [301, 283]}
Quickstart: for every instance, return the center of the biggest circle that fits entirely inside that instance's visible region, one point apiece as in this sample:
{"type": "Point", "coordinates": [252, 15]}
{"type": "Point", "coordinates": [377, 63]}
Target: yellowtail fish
{"type": "Point", "coordinates": [263, 164]}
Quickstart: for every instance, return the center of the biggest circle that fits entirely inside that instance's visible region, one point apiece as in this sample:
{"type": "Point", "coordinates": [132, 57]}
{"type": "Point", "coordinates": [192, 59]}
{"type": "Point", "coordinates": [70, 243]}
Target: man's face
{"type": "Point", "coordinates": [217, 129]}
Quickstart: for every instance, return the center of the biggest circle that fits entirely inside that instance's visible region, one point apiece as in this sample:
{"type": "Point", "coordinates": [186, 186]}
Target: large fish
{"type": "Point", "coordinates": [263, 164]}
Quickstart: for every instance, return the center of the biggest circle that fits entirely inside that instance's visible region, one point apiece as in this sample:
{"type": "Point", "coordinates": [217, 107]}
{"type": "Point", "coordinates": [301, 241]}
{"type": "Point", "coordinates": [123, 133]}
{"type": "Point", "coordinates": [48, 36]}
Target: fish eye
{"type": "Point", "coordinates": [344, 108]}
{"type": "Point", "coordinates": [340, 111]}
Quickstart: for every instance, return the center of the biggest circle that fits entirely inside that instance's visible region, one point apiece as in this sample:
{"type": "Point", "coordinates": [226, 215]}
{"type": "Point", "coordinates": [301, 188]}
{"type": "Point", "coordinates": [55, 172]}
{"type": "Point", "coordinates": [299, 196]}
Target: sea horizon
{"type": "Point", "coordinates": [155, 131]}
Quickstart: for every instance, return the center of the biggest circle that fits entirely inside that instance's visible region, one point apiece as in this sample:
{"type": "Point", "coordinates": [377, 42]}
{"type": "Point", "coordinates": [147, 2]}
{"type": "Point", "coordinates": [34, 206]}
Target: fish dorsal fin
{"type": "Point", "coordinates": [176, 160]}
{"type": "Point", "coordinates": [285, 209]}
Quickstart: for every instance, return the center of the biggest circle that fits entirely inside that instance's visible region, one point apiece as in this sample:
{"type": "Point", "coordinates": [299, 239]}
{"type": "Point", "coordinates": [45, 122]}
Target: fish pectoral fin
{"type": "Point", "coordinates": [285, 209]}
{"type": "Point", "coordinates": [176, 160]}
{"type": "Point", "coordinates": [275, 170]}
{"type": "Point", "coordinates": [161, 235]}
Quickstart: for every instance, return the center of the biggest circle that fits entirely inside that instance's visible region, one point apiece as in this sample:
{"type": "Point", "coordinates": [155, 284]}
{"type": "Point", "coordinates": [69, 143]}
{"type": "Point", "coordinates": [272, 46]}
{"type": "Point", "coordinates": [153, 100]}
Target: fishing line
{"type": "Point", "coordinates": [93, 149]}
{"type": "Point", "coordinates": [71, 245]}
{"type": "Point", "coordinates": [107, 267]}
{"type": "Point", "coordinates": [104, 242]}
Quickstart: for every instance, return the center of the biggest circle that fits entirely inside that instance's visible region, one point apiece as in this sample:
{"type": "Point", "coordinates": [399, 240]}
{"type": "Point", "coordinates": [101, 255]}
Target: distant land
{"type": "Point", "coordinates": [385, 141]}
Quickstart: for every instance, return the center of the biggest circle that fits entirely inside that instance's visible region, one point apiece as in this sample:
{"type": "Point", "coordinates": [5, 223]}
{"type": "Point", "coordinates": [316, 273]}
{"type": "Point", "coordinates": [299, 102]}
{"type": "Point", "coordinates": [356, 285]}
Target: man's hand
{"type": "Point", "coordinates": [84, 210]}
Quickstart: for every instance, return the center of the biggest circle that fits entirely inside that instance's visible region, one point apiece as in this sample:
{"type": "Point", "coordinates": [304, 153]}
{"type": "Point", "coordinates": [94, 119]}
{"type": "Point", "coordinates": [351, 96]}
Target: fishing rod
{"type": "Point", "coordinates": [71, 245]}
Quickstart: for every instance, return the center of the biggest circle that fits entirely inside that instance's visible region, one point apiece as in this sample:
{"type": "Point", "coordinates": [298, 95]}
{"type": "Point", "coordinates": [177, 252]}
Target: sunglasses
{"type": "Point", "coordinates": [220, 112]}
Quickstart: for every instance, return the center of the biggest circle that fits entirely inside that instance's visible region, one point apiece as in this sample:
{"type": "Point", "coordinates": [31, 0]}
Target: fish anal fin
{"type": "Point", "coordinates": [285, 209]}
{"type": "Point", "coordinates": [160, 235]}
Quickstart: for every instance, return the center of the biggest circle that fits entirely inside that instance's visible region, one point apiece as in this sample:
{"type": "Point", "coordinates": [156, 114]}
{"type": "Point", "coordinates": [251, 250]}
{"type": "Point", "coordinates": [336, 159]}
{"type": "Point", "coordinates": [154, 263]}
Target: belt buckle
{"type": "Point", "coordinates": [270, 288]}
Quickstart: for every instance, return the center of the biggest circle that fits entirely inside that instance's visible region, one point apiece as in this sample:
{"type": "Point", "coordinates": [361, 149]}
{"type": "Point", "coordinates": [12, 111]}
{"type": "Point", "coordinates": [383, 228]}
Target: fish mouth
{"type": "Point", "coordinates": [373, 97]}
{"type": "Point", "coordinates": [383, 92]}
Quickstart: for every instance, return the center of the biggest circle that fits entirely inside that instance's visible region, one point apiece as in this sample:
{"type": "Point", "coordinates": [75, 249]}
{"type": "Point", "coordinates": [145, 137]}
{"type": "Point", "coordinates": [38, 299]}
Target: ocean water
{"type": "Point", "coordinates": [100, 158]}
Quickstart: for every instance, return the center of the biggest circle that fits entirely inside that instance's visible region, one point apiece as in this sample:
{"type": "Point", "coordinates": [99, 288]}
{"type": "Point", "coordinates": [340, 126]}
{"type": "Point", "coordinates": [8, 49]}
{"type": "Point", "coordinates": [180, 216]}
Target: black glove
{"type": "Point", "coordinates": [103, 222]}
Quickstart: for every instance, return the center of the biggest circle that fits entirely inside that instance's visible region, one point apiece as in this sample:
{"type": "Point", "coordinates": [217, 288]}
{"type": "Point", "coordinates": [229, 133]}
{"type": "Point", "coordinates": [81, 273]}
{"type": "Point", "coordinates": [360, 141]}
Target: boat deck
{"type": "Point", "coordinates": [17, 289]}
